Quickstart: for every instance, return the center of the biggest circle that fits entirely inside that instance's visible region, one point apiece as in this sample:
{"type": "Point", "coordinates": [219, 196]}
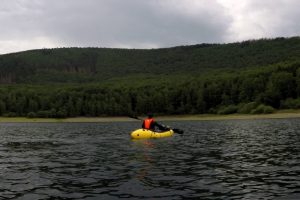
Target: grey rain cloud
{"type": "Point", "coordinates": [30, 24]}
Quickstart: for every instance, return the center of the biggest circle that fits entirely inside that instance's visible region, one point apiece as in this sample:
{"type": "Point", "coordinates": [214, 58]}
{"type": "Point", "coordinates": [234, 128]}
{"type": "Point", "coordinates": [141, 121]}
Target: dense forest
{"type": "Point", "coordinates": [255, 76]}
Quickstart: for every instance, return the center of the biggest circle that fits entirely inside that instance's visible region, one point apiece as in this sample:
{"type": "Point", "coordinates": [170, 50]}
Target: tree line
{"type": "Point", "coordinates": [255, 90]}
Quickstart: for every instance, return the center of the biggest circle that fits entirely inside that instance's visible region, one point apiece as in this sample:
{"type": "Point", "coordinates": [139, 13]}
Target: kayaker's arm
{"type": "Point", "coordinates": [161, 126]}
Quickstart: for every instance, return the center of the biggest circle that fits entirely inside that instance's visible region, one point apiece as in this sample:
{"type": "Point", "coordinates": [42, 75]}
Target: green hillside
{"type": "Point", "coordinates": [77, 65]}
{"type": "Point", "coordinates": [256, 76]}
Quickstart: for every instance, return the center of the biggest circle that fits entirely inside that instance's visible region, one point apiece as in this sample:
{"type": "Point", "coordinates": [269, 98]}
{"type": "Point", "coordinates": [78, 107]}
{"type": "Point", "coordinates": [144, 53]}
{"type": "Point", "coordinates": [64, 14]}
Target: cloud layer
{"type": "Point", "coordinates": [30, 24]}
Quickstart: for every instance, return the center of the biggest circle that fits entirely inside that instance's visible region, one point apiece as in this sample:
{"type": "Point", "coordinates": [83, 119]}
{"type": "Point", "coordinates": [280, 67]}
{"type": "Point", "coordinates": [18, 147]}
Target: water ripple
{"type": "Point", "coordinates": [256, 159]}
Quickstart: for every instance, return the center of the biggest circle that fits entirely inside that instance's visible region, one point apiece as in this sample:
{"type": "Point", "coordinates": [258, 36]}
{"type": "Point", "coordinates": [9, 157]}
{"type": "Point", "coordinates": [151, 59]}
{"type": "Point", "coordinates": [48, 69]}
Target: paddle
{"type": "Point", "coordinates": [176, 130]}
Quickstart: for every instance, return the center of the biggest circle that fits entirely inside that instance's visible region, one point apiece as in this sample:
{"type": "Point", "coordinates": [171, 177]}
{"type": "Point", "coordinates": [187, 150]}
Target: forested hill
{"type": "Point", "coordinates": [77, 65]}
{"type": "Point", "coordinates": [254, 76]}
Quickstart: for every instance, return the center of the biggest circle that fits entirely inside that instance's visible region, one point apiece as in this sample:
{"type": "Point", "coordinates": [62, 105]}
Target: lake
{"type": "Point", "coordinates": [233, 159]}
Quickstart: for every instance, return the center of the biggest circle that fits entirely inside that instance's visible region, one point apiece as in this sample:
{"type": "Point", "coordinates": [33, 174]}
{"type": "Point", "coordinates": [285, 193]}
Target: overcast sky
{"type": "Point", "coordinates": [35, 24]}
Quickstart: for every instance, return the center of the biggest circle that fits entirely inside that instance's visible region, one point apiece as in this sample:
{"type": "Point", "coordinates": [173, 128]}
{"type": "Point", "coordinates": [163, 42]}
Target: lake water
{"type": "Point", "coordinates": [239, 159]}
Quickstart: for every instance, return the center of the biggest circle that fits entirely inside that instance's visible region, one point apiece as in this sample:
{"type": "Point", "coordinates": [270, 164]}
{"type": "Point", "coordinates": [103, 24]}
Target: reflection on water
{"type": "Point", "coordinates": [256, 159]}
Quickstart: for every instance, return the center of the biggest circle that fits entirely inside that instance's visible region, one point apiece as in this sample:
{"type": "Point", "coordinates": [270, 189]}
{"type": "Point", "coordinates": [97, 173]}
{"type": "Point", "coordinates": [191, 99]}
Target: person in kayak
{"type": "Point", "coordinates": [150, 124]}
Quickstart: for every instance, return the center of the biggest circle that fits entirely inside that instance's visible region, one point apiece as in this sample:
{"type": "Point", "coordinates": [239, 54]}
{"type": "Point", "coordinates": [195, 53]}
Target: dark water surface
{"type": "Point", "coordinates": [241, 159]}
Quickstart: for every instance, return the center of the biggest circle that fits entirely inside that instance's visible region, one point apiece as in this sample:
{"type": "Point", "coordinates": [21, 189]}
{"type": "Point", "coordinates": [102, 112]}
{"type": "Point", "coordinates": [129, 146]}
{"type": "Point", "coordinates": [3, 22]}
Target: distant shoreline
{"type": "Point", "coordinates": [284, 114]}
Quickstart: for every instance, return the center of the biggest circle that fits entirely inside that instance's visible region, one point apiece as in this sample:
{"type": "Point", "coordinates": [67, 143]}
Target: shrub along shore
{"type": "Point", "coordinates": [283, 114]}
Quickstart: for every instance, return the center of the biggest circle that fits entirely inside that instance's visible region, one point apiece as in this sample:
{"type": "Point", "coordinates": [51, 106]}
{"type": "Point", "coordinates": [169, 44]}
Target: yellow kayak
{"type": "Point", "coordinates": [144, 133]}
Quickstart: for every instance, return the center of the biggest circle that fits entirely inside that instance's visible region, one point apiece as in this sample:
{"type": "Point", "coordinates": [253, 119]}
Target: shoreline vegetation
{"type": "Point", "coordinates": [249, 77]}
{"type": "Point", "coordinates": [283, 114]}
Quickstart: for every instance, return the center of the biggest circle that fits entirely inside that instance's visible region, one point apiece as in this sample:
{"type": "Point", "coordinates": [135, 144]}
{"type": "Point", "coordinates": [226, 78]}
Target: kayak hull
{"type": "Point", "coordinates": [144, 134]}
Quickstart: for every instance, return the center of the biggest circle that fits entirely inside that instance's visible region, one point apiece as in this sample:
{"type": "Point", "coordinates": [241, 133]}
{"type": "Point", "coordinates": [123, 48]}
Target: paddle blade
{"type": "Point", "coordinates": [179, 131]}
